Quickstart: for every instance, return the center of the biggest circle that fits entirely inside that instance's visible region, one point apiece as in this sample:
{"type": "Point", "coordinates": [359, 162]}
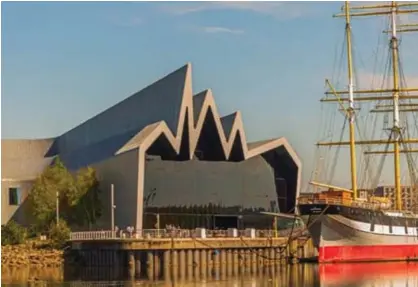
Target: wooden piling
{"type": "Point", "coordinates": [182, 264]}
{"type": "Point", "coordinates": [191, 257]}
{"type": "Point", "coordinates": [150, 265]}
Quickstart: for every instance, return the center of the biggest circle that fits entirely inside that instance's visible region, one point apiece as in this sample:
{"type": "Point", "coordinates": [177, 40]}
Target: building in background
{"type": "Point", "coordinates": [171, 156]}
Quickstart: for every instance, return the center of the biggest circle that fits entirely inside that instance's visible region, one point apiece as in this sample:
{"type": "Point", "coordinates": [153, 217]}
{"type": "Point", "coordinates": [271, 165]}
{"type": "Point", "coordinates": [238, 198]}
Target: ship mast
{"type": "Point", "coordinates": [350, 110]}
{"type": "Point", "coordinates": [397, 93]}
{"type": "Point", "coordinates": [396, 130]}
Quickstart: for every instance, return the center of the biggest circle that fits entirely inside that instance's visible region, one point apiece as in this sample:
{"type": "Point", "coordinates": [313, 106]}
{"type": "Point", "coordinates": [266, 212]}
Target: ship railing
{"type": "Point", "coordinates": [177, 233]}
{"type": "Point", "coordinates": [339, 201]}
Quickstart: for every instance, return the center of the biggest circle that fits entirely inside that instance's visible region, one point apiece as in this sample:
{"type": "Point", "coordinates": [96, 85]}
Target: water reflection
{"type": "Point", "coordinates": [393, 274]}
{"type": "Point", "coordinates": [20, 275]}
{"type": "Point", "coordinates": [328, 275]}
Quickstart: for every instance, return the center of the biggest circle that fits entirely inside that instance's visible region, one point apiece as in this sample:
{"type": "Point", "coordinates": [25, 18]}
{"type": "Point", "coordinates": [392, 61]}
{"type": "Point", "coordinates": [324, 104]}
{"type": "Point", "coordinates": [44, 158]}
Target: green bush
{"type": "Point", "coordinates": [12, 234]}
{"type": "Point", "coordinates": [59, 233]}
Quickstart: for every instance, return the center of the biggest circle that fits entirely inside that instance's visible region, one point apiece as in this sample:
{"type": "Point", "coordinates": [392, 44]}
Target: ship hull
{"type": "Point", "coordinates": [351, 234]}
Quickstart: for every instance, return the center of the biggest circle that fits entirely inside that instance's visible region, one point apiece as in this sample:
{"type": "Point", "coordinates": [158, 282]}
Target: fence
{"type": "Point", "coordinates": [179, 233]}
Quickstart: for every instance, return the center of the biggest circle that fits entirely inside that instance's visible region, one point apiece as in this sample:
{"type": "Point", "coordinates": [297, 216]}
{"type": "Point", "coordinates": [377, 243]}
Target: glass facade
{"type": "Point", "coordinates": [213, 195]}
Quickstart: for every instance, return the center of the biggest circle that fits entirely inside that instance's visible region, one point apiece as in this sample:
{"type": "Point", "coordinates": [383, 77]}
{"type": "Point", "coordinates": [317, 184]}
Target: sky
{"type": "Point", "coordinates": [64, 62]}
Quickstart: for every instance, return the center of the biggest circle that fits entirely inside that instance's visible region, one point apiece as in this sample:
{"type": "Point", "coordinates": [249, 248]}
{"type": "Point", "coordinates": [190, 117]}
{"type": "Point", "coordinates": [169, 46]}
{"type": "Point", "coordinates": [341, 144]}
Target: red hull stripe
{"type": "Point", "coordinates": [367, 253]}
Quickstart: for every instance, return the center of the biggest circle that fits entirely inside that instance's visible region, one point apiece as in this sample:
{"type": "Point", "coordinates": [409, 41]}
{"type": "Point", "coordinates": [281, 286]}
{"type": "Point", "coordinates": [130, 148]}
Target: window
{"type": "Point", "coordinates": [14, 196]}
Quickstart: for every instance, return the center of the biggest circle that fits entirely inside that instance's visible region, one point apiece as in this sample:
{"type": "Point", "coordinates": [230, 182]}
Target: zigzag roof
{"type": "Point", "coordinates": [229, 128]}
{"type": "Point", "coordinates": [164, 111]}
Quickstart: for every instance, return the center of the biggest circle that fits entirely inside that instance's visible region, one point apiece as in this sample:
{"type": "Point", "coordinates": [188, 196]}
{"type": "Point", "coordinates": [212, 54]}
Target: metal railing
{"type": "Point", "coordinates": [176, 233]}
{"type": "Point", "coordinates": [346, 202]}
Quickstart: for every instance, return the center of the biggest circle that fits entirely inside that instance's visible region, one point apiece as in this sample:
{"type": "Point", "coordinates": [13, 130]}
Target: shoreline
{"type": "Point", "coordinates": [32, 254]}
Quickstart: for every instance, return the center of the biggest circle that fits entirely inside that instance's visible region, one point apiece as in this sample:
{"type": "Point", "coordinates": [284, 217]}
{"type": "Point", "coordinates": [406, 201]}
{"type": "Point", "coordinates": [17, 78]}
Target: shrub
{"type": "Point", "coordinates": [59, 233]}
{"type": "Point", "coordinates": [12, 233]}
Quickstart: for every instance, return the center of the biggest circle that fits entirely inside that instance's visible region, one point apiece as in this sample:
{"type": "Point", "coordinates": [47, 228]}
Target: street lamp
{"type": "Point", "coordinates": [112, 208]}
{"type": "Point", "coordinates": [57, 208]}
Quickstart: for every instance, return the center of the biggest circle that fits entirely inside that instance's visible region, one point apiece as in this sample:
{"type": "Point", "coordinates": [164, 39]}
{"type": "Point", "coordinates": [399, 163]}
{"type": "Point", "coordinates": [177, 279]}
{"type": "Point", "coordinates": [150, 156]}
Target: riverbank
{"type": "Point", "coordinates": [31, 253]}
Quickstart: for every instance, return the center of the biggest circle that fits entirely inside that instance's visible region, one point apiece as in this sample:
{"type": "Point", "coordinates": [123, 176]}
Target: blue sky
{"type": "Point", "coordinates": [63, 62]}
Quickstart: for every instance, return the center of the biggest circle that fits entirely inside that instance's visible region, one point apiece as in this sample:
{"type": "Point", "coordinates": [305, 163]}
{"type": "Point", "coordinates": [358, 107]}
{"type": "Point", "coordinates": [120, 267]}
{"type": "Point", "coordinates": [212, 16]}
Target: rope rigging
{"type": "Point", "coordinates": [330, 161]}
{"type": "Point", "coordinates": [337, 152]}
{"type": "Point", "coordinates": [381, 164]}
{"type": "Point", "coordinates": [367, 123]}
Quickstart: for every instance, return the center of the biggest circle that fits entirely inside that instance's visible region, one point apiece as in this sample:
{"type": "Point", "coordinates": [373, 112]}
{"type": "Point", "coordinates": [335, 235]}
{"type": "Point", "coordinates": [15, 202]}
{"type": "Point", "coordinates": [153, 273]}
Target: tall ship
{"type": "Point", "coordinates": [357, 222]}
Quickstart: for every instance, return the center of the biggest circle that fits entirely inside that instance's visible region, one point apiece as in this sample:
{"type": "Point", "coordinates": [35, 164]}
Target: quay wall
{"type": "Point", "coordinates": [189, 257]}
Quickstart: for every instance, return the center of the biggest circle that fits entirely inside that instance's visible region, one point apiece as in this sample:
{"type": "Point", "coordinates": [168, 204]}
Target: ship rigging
{"type": "Point", "coordinates": [355, 223]}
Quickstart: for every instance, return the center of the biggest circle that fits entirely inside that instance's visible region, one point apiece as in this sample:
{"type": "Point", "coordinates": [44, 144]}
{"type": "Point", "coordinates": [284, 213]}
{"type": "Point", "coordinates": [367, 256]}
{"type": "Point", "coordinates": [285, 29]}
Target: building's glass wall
{"type": "Point", "coordinates": [195, 193]}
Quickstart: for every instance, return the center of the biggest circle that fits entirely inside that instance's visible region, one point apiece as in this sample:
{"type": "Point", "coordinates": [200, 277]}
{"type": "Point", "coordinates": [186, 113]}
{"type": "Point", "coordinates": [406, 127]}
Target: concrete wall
{"type": "Point", "coordinates": [24, 159]}
{"type": "Point", "coordinates": [16, 212]}
{"type": "Point", "coordinates": [21, 162]}
{"type": "Point", "coordinates": [122, 171]}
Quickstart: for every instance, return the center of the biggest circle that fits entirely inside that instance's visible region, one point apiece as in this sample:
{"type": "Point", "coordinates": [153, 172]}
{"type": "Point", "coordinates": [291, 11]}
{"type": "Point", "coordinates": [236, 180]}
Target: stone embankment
{"type": "Point", "coordinates": [31, 254]}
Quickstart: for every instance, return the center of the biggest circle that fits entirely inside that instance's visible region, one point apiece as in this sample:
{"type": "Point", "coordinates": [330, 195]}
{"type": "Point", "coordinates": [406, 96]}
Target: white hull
{"type": "Point", "coordinates": [342, 239]}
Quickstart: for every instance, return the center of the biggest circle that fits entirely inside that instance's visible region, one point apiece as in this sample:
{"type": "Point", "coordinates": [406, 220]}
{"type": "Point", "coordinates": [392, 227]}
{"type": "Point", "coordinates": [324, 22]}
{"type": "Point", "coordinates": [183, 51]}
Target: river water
{"type": "Point", "coordinates": [298, 275]}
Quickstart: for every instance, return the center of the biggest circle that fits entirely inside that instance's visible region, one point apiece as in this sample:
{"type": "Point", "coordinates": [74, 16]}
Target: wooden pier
{"type": "Point", "coordinates": [194, 253]}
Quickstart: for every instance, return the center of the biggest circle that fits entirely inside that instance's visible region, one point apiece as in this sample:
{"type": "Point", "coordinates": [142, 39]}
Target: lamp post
{"type": "Point", "coordinates": [57, 208]}
{"type": "Point", "coordinates": [275, 221]}
{"type": "Point", "coordinates": [112, 208]}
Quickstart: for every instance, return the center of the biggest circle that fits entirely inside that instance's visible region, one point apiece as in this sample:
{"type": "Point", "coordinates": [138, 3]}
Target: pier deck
{"type": "Point", "coordinates": [183, 239]}
{"type": "Point", "coordinates": [176, 251]}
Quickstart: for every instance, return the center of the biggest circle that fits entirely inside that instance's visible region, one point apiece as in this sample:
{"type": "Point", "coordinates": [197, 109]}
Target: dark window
{"type": "Point", "coordinates": [14, 196]}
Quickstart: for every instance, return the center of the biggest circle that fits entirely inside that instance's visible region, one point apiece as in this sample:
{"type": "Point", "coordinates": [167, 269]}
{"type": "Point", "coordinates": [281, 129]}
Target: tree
{"type": "Point", "coordinates": [12, 233]}
{"type": "Point", "coordinates": [42, 198]}
{"type": "Point", "coordinates": [59, 233]}
{"type": "Point", "coordinates": [84, 200]}
{"type": "Point", "coordinates": [79, 202]}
